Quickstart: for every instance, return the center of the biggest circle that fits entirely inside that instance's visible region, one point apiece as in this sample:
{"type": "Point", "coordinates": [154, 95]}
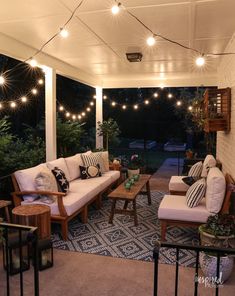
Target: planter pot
{"type": "Point", "coordinates": [133, 172]}
{"type": "Point", "coordinates": [208, 239]}
{"type": "Point", "coordinates": [208, 265]}
{"type": "Point", "coordinates": [189, 154]}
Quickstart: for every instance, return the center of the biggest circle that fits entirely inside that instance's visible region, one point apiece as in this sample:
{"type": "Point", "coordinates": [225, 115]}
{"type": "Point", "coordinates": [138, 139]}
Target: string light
{"type": "Point", "coordinates": [146, 102]}
{"type": "Point", "coordinates": [92, 103]}
{"type": "Point", "coordinates": [24, 99]}
{"type": "Point", "coordinates": [94, 97]}
{"type": "Point", "coordinates": [13, 105]}
{"type": "Point", "coordinates": [190, 108]}
{"type": "Point", "coordinates": [74, 117]}
{"type": "Point", "coordinates": [34, 91]}
{"type": "Point", "coordinates": [64, 33]}
{"type": "Point", "coordinates": [61, 108]}
{"type": "Point", "coordinates": [155, 95]}
{"type": "Point", "coordinates": [178, 103]}
{"type": "Point", "coordinates": [33, 63]}
{"type": "Point", "coordinates": [88, 109]}
{"type": "Point", "coordinates": [79, 117]}
{"type": "Point", "coordinates": [170, 96]}
{"type": "Point", "coordinates": [116, 8]}
{"type": "Point", "coordinates": [124, 107]}
{"type": "Point", "coordinates": [151, 41]}
{"type": "Point", "coordinates": [67, 114]}
{"type": "Point", "coordinates": [200, 61]}
{"type": "Point", "coordinates": [83, 114]}
{"type": "Point", "coordinates": [2, 80]}
{"type": "Point", "coordinates": [40, 81]}
{"type": "Point", "coordinates": [113, 104]}
{"type": "Point", "coordinates": [136, 107]}
{"type": "Point", "coordinates": [1, 106]}
{"type": "Point", "coordinates": [105, 97]}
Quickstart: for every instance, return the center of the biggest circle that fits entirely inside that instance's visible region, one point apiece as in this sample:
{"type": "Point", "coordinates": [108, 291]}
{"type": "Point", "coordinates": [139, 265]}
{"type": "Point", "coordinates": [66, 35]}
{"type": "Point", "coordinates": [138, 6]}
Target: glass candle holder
{"type": "Point", "coordinates": [128, 186]}
{"type": "Point", "coordinates": [136, 177]}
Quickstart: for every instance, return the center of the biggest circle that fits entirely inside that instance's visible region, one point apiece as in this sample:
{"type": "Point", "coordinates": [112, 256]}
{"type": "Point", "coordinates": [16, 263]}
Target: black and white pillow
{"type": "Point", "coordinates": [196, 170]}
{"type": "Point", "coordinates": [91, 171]}
{"type": "Point", "coordinates": [61, 180]}
{"type": "Point", "coordinates": [195, 193]}
{"type": "Point", "coordinates": [92, 160]}
{"type": "Point", "coordinates": [190, 180]}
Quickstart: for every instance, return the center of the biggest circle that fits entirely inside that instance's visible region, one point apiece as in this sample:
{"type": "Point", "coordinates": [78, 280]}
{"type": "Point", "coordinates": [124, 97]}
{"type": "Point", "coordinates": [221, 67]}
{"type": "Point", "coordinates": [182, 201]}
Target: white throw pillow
{"type": "Point", "coordinates": [73, 163]}
{"type": "Point", "coordinates": [93, 159]}
{"type": "Point", "coordinates": [105, 156]}
{"type": "Point", "coordinates": [45, 181]}
{"type": "Point", "coordinates": [196, 170]}
{"type": "Point", "coordinates": [209, 162]}
{"type": "Point", "coordinates": [215, 190]}
{"type": "Point", "coordinates": [59, 163]}
{"type": "Point", "coordinates": [195, 193]}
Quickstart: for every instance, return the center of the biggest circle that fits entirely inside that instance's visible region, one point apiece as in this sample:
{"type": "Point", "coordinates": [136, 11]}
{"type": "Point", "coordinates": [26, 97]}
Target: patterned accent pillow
{"type": "Point", "coordinates": [196, 170]}
{"type": "Point", "coordinates": [62, 182]}
{"type": "Point", "coordinates": [190, 180]}
{"type": "Point", "coordinates": [195, 193]}
{"type": "Point", "coordinates": [93, 159]}
{"type": "Point", "coordinates": [91, 171]}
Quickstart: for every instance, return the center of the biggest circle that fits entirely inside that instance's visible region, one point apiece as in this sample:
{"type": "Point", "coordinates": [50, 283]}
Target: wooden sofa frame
{"type": "Point", "coordinates": [230, 187]}
{"type": "Point", "coordinates": [63, 219]}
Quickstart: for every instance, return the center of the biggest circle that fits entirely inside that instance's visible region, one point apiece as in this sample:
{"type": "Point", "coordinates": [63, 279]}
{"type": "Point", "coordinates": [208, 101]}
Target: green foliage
{"type": "Point", "coordinates": [220, 225]}
{"type": "Point", "coordinates": [110, 131]}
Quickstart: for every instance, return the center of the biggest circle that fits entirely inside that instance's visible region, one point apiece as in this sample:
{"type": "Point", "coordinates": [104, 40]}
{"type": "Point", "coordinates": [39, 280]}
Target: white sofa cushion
{"type": "Point", "coordinates": [73, 163]}
{"type": "Point", "coordinates": [209, 162]}
{"type": "Point", "coordinates": [177, 184]}
{"type": "Point", "coordinates": [25, 178]}
{"type": "Point", "coordinates": [174, 207]}
{"type": "Point", "coordinates": [59, 163]}
{"type": "Point", "coordinates": [215, 190]}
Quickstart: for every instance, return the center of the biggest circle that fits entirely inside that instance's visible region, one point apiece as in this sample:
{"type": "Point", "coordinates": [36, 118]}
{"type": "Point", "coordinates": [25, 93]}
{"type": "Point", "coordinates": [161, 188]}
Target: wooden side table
{"type": "Point", "coordinates": [5, 204]}
{"type": "Point", "coordinates": [34, 215]}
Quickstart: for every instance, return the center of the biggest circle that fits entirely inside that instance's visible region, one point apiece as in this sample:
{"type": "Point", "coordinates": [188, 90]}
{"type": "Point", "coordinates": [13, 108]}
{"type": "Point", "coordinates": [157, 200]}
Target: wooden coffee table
{"type": "Point", "coordinates": [121, 193]}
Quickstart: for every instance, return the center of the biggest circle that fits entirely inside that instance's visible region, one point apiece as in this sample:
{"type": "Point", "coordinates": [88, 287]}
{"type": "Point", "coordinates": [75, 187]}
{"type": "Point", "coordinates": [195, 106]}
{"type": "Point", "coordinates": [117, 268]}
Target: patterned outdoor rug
{"type": "Point", "coordinates": [123, 239]}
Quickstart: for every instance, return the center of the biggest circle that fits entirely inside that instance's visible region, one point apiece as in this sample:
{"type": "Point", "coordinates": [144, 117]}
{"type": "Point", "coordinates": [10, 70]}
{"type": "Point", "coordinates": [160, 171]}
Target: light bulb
{"type": "Point", "coordinates": [33, 63]}
{"type": "Point", "coordinates": [124, 107]}
{"type": "Point", "coordinates": [200, 61]}
{"type": "Point", "coordinates": [24, 99]}
{"type": "Point", "coordinates": [104, 97]}
{"type": "Point", "coordinates": [146, 102]}
{"type": "Point", "coordinates": [2, 80]}
{"type": "Point", "coordinates": [1, 106]}
{"type": "Point", "coordinates": [162, 86]}
{"type": "Point", "coordinates": [115, 9]}
{"type": "Point", "coordinates": [40, 81]}
{"type": "Point", "coordinates": [151, 41]}
{"type": "Point", "coordinates": [155, 95]}
{"type": "Point", "coordinates": [135, 107]}
{"type": "Point", "coordinates": [64, 33]}
{"type": "Point", "coordinates": [113, 104]}
{"type": "Point", "coordinates": [190, 108]}
{"type": "Point", "coordinates": [92, 103]}
{"type": "Point", "coordinates": [83, 114]}
{"type": "Point", "coordinates": [79, 117]}
{"type": "Point", "coordinates": [34, 91]}
{"type": "Point", "coordinates": [61, 108]}
{"type": "Point", "coordinates": [74, 117]}
{"type": "Point", "coordinates": [94, 97]}
{"type": "Point", "coordinates": [169, 95]}
{"type": "Point", "coordinates": [13, 105]}
{"type": "Point", "coordinates": [67, 114]}
{"type": "Point", "coordinates": [88, 109]}
{"type": "Point", "coordinates": [179, 103]}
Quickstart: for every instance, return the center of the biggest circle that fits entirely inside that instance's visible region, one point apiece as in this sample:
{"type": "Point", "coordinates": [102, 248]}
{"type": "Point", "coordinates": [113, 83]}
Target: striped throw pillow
{"type": "Point", "coordinates": [92, 160]}
{"type": "Point", "coordinates": [195, 193]}
{"type": "Point", "coordinates": [196, 170]}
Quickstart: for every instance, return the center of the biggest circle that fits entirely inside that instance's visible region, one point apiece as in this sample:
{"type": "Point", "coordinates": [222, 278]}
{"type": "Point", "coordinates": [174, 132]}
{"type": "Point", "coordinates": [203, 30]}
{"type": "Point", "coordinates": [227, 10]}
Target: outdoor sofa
{"type": "Point", "coordinates": [81, 193]}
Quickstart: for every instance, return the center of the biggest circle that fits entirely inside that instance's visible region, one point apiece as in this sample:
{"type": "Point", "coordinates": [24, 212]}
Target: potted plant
{"type": "Point", "coordinates": [219, 231]}
{"type": "Point", "coordinates": [189, 154]}
{"type": "Point", "coordinates": [134, 165]}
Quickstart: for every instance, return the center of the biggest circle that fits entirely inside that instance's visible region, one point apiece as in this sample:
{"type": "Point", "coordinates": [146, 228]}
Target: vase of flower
{"type": "Point", "coordinates": [134, 165]}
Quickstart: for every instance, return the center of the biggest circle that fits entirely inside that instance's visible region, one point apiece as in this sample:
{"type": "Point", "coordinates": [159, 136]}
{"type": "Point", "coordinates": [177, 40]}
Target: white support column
{"type": "Point", "coordinates": [99, 115]}
{"type": "Point", "coordinates": [50, 110]}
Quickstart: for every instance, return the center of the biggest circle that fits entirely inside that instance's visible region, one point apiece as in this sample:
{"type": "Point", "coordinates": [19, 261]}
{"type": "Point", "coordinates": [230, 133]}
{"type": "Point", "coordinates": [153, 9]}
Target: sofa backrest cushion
{"type": "Point", "coordinates": [209, 162]}
{"type": "Point", "coordinates": [59, 163]}
{"type": "Point", "coordinates": [215, 190]}
{"type": "Point", "coordinates": [73, 163]}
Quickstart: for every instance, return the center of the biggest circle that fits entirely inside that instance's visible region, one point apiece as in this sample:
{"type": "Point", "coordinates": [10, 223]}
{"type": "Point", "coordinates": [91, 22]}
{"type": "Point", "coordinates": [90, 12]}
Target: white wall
{"type": "Point", "coordinates": [226, 141]}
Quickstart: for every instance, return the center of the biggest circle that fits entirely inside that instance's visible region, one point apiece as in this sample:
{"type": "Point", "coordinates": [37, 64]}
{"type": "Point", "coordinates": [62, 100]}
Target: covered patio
{"type": "Point", "coordinates": [87, 41]}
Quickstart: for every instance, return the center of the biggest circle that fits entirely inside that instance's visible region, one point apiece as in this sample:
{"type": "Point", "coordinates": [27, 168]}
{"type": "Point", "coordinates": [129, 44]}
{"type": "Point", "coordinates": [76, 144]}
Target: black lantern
{"type": "Point", "coordinates": [16, 253]}
{"type": "Point", "coordinates": [45, 254]}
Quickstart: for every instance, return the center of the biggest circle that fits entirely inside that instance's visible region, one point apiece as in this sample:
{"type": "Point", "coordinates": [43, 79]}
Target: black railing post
{"type": "Point", "coordinates": [177, 271]}
{"type": "Point", "coordinates": [35, 259]}
{"type": "Point", "coordinates": [156, 258]}
{"type": "Point", "coordinates": [217, 275]}
{"type": "Point", "coordinates": [196, 274]}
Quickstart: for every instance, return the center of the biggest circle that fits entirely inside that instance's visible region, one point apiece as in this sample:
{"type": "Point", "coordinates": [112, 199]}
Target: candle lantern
{"type": "Point", "coordinates": [18, 258]}
{"type": "Point", "coordinates": [45, 254]}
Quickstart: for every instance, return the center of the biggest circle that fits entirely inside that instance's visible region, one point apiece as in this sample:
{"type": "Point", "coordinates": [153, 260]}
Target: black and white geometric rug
{"type": "Point", "coordinates": [122, 239]}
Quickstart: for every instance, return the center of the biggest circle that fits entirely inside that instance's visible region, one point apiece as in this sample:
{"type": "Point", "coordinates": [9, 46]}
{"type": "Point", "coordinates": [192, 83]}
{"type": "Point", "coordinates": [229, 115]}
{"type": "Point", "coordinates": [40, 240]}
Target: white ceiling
{"type": "Point", "coordinates": [95, 50]}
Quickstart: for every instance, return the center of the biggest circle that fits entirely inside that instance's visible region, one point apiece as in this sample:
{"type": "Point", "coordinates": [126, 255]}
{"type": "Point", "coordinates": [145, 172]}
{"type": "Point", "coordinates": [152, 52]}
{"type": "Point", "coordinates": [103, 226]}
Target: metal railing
{"type": "Point", "coordinates": [197, 249]}
{"type": "Point", "coordinates": [18, 236]}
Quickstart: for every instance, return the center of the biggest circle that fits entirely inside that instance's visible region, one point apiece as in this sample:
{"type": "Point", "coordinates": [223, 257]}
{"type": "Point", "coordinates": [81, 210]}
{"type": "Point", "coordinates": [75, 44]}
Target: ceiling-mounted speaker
{"type": "Point", "coordinates": [134, 56]}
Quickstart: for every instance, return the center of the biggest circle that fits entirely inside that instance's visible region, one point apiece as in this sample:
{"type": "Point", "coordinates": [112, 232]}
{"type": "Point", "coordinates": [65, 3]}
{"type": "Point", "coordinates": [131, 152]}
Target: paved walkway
{"type": "Point", "coordinates": [161, 178]}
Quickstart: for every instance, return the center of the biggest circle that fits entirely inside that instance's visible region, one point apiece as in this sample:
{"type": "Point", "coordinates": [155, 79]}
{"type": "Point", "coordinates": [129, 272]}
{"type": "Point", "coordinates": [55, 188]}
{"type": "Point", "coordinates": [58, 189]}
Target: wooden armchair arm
{"type": "Point", "coordinates": [18, 194]}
